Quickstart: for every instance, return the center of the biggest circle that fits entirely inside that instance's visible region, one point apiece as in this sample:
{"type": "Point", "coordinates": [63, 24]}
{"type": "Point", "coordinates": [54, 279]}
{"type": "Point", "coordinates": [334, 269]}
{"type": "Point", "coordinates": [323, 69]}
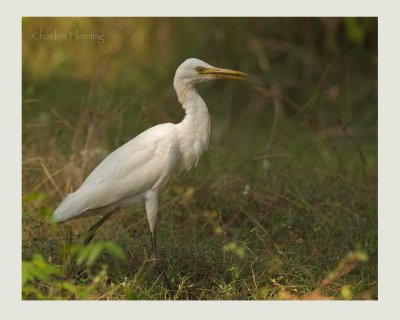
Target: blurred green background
{"type": "Point", "coordinates": [290, 178]}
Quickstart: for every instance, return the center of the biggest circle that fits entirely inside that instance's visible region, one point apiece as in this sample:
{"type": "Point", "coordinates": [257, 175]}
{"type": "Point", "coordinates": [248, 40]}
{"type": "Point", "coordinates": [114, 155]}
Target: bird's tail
{"type": "Point", "coordinates": [68, 208]}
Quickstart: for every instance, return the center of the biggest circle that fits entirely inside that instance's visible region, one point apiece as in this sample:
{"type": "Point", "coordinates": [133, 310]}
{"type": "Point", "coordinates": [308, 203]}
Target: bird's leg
{"type": "Point", "coordinates": [156, 263]}
{"type": "Point", "coordinates": [80, 272]}
{"type": "Point", "coordinates": [151, 211]}
{"type": "Point", "coordinates": [93, 229]}
{"type": "Point", "coordinates": [153, 245]}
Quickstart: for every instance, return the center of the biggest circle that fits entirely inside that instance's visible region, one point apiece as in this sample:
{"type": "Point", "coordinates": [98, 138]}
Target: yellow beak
{"type": "Point", "coordinates": [224, 73]}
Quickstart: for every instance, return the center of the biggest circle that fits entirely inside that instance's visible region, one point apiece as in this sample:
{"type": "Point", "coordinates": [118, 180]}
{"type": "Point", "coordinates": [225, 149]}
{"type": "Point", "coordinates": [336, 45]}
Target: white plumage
{"type": "Point", "coordinates": [140, 168]}
{"type": "Point", "coordinates": [142, 164]}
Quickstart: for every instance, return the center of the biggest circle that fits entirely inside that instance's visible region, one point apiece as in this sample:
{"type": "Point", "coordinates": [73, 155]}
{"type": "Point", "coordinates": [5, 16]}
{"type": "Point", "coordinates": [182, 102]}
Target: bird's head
{"type": "Point", "coordinates": [193, 71]}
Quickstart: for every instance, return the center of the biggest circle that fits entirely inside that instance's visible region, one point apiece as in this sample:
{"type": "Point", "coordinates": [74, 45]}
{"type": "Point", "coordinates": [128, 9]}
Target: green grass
{"type": "Point", "coordinates": [282, 206]}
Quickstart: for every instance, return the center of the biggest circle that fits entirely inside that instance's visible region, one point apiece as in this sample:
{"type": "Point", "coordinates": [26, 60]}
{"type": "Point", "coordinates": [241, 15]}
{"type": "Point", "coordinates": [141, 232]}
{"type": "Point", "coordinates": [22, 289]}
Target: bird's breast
{"type": "Point", "coordinates": [193, 140]}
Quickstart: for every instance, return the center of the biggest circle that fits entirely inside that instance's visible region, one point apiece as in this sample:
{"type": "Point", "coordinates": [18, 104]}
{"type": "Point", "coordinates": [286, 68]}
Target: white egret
{"type": "Point", "coordinates": [137, 170]}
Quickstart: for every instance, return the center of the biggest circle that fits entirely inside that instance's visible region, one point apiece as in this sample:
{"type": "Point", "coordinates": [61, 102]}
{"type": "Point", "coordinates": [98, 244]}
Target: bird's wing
{"type": "Point", "coordinates": [139, 165]}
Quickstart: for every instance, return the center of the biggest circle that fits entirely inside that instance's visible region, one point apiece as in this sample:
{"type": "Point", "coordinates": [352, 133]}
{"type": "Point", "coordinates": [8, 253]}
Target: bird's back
{"type": "Point", "coordinates": [143, 163]}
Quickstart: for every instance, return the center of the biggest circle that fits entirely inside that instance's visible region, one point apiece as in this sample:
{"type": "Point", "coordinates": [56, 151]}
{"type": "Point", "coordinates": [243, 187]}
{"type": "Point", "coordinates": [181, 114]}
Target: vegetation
{"type": "Point", "coordinates": [282, 206]}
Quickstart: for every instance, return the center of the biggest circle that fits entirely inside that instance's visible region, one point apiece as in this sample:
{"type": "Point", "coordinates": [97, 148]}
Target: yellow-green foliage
{"type": "Point", "coordinates": [43, 280]}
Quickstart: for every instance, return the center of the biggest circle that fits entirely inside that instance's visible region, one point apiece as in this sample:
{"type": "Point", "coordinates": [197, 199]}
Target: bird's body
{"type": "Point", "coordinates": [125, 176]}
{"type": "Point", "coordinates": [136, 171]}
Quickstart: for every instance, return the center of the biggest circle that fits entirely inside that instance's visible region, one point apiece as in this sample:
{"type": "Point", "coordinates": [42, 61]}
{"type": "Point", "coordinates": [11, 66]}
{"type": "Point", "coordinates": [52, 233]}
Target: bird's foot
{"type": "Point", "coordinates": [157, 265]}
{"type": "Point", "coordinates": [154, 258]}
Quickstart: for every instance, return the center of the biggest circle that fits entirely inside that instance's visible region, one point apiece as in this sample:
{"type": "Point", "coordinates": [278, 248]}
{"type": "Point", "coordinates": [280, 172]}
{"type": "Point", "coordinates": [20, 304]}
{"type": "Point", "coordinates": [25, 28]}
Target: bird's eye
{"type": "Point", "coordinates": [199, 69]}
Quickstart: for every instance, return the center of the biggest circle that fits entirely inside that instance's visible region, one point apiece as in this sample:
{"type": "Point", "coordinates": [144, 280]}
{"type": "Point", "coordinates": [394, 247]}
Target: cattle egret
{"type": "Point", "coordinates": [137, 171]}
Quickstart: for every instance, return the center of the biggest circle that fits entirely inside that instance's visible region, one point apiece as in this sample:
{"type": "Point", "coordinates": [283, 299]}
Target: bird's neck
{"type": "Point", "coordinates": [194, 129]}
